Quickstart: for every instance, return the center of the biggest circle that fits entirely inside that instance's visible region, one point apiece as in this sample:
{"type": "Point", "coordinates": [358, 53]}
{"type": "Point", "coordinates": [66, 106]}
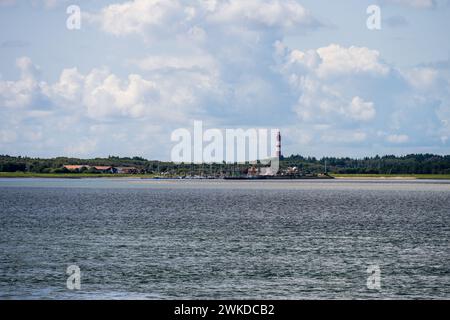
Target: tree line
{"type": "Point", "coordinates": [388, 164]}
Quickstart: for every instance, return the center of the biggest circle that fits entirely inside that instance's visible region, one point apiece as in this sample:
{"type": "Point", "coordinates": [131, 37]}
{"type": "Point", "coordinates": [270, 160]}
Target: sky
{"type": "Point", "coordinates": [137, 70]}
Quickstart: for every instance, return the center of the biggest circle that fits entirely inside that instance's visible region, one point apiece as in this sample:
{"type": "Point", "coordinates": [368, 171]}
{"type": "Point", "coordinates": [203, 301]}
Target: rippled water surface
{"type": "Point", "coordinates": [145, 239]}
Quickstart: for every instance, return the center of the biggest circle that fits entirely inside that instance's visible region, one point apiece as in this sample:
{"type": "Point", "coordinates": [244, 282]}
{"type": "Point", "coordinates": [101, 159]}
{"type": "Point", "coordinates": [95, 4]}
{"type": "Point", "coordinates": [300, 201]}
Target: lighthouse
{"type": "Point", "coordinates": [278, 145]}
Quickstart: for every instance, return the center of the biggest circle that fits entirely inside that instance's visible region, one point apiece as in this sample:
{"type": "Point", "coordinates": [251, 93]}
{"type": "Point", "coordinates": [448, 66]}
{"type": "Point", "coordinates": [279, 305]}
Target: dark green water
{"type": "Point", "coordinates": [136, 239]}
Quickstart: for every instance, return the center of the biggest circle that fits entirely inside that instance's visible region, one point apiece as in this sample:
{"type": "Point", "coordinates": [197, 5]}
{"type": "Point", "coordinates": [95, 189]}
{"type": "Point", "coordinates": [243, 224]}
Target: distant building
{"type": "Point", "coordinates": [267, 171]}
{"type": "Point", "coordinates": [102, 169]}
{"type": "Point", "coordinates": [105, 169]}
{"type": "Point", "coordinates": [292, 170]}
{"type": "Point", "coordinates": [127, 170]}
{"type": "Point", "coordinates": [76, 167]}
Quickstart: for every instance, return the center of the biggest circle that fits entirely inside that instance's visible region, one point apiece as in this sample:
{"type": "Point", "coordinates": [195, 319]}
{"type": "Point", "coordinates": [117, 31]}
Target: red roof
{"type": "Point", "coordinates": [74, 167]}
{"type": "Point", "coordinates": [103, 167]}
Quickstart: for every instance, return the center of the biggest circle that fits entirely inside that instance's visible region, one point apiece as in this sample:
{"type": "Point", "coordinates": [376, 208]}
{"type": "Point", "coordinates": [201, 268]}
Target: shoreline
{"type": "Point", "coordinates": [385, 178]}
{"type": "Point", "coordinates": [17, 175]}
{"type": "Point", "coordinates": [392, 177]}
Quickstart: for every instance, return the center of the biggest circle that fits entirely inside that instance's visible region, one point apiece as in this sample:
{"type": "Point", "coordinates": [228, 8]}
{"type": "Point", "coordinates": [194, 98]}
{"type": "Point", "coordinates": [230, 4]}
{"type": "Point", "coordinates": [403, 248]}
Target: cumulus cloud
{"type": "Point", "coordinates": [144, 16]}
{"type": "Point", "coordinates": [420, 77]}
{"type": "Point", "coordinates": [339, 98]}
{"type": "Point", "coordinates": [362, 110]}
{"type": "Point", "coordinates": [136, 16]}
{"type": "Point", "coordinates": [224, 62]}
{"type": "Point", "coordinates": [79, 101]}
{"type": "Point", "coordinates": [337, 60]}
{"type": "Point", "coordinates": [272, 13]}
{"type": "Point", "coordinates": [17, 94]}
{"type": "Point", "coordinates": [317, 75]}
{"type": "Point", "coordinates": [108, 95]}
{"type": "Point", "coordinates": [101, 94]}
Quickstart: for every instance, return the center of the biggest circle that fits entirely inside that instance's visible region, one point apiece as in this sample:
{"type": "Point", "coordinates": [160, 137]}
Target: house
{"type": "Point", "coordinates": [105, 169]}
{"type": "Point", "coordinates": [76, 167]}
{"type": "Point", "coordinates": [102, 169]}
{"type": "Point", "coordinates": [267, 171]}
{"type": "Point", "coordinates": [127, 170]}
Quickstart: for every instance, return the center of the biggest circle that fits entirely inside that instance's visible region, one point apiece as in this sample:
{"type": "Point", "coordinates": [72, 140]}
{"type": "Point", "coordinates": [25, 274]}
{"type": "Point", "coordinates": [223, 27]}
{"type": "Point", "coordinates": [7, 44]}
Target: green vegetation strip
{"type": "Point", "coordinates": [71, 175]}
{"type": "Point", "coordinates": [150, 176]}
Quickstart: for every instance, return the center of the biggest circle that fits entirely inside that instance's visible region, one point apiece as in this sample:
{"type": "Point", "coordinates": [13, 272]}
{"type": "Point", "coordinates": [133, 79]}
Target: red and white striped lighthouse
{"type": "Point", "coordinates": [278, 145]}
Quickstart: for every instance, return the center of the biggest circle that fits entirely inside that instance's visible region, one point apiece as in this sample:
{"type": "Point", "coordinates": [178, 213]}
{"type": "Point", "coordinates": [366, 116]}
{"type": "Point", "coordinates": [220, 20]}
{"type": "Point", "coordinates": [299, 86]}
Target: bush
{"type": "Point", "coordinates": [61, 170]}
{"type": "Point", "coordinates": [12, 167]}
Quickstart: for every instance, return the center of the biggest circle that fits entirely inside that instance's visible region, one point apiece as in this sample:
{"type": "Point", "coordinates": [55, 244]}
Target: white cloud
{"type": "Point", "coordinates": [272, 13]}
{"type": "Point", "coordinates": [102, 95]}
{"type": "Point", "coordinates": [397, 139]}
{"type": "Point", "coordinates": [337, 60]}
{"type": "Point", "coordinates": [339, 97]}
{"type": "Point", "coordinates": [361, 110]}
{"type": "Point", "coordinates": [145, 16]}
{"type": "Point", "coordinates": [114, 97]}
{"type": "Point", "coordinates": [138, 15]}
{"type": "Point", "coordinates": [420, 77]}
{"type": "Point", "coordinates": [69, 86]}
{"type": "Point", "coordinates": [17, 94]}
{"type": "Point", "coordinates": [319, 102]}
{"type": "Point", "coordinates": [316, 75]}
{"type": "Point", "coordinates": [215, 60]}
